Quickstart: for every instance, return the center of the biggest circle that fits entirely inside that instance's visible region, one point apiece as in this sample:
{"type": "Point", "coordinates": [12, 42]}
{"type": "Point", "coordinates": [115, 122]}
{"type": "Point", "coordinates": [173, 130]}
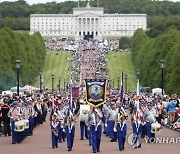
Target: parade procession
{"type": "Point", "coordinates": [128, 120]}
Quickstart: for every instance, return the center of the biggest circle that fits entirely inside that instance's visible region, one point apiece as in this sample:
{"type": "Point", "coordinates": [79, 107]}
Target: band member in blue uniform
{"type": "Point", "coordinates": [150, 116]}
{"type": "Point", "coordinates": [105, 110]}
{"type": "Point", "coordinates": [14, 115]}
{"type": "Point", "coordinates": [84, 109]}
{"type": "Point", "coordinates": [121, 127]}
{"type": "Point", "coordinates": [54, 131]}
{"type": "Point", "coordinates": [143, 108]}
{"type": "Point", "coordinates": [111, 121]}
{"type": "Point", "coordinates": [61, 117]}
{"type": "Point", "coordinates": [95, 121]}
{"type": "Point", "coordinates": [137, 127]}
{"type": "Point", "coordinates": [31, 117]}
{"type": "Point", "coordinates": [70, 129]}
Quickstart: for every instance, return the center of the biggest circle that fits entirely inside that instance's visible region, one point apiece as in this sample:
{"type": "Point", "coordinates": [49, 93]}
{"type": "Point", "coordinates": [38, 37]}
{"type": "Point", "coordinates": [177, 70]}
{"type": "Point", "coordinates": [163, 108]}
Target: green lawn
{"type": "Point", "coordinates": [118, 62]}
{"type": "Point", "coordinates": [58, 66]}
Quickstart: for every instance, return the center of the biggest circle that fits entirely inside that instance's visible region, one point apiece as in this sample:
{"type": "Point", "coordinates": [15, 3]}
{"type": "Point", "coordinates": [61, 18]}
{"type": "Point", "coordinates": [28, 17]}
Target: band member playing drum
{"type": "Point", "coordinates": [14, 115]}
{"type": "Point", "coordinates": [150, 116]}
{"type": "Point", "coordinates": [84, 109]}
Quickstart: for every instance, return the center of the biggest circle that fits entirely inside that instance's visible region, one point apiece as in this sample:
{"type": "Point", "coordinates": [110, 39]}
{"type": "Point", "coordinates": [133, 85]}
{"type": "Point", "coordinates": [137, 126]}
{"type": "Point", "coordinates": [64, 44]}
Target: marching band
{"type": "Point", "coordinates": [110, 118]}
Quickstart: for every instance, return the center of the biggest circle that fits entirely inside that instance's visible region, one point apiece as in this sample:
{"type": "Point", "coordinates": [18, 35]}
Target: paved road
{"type": "Point", "coordinates": [40, 143]}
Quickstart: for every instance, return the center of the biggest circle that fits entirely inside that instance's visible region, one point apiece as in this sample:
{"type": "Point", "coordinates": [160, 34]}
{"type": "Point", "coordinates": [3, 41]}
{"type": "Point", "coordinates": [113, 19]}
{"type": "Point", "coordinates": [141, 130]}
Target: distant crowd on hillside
{"type": "Point", "coordinates": [72, 45]}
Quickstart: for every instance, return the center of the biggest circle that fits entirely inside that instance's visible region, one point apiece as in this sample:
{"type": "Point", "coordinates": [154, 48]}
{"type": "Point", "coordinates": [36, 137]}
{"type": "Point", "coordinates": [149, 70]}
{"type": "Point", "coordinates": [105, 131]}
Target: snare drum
{"type": "Point", "coordinates": [19, 126]}
{"type": "Point", "coordinates": [26, 123]}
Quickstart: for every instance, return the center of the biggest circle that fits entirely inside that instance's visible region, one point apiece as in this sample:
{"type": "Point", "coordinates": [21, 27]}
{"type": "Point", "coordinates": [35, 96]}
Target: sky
{"type": "Point", "coordinates": [44, 1]}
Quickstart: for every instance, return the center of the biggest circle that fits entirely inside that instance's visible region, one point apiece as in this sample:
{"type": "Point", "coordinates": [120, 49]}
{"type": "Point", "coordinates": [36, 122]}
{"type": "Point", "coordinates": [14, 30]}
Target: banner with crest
{"type": "Point", "coordinates": [95, 91]}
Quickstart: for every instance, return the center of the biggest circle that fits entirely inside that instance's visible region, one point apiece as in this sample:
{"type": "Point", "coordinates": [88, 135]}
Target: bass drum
{"type": "Point", "coordinates": [84, 110]}
{"type": "Point", "coordinates": [155, 127]}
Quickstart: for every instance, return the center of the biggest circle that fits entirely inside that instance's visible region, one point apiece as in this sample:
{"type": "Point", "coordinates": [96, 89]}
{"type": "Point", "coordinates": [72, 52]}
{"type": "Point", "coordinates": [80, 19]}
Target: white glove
{"type": "Point", "coordinates": [88, 128]}
{"type": "Point", "coordinates": [63, 130]}
{"type": "Point", "coordinates": [114, 129]}
{"type": "Point", "coordinates": [105, 124]}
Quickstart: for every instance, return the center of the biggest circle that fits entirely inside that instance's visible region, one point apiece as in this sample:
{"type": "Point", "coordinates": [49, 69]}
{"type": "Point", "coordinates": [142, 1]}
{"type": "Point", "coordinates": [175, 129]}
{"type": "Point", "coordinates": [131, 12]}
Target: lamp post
{"type": "Point", "coordinates": [118, 83]}
{"type": "Point", "coordinates": [162, 74]}
{"type": "Point", "coordinates": [52, 77]}
{"type": "Point", "coordinates": [59, 84]}
{"type": "Point", "coordinates": [126, 82]}
{"type": "Point", "coordinates": [64, 84]}
{"type": "Point", "coordinates": [113, 83]}
{"type": "Point", "coordinates": [40, 81]}
{"type": "Point", "coordinates": [17, 69]}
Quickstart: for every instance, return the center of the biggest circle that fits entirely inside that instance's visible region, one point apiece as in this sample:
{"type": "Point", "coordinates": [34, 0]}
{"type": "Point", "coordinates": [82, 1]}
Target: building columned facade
{"type": "Point", "coordinates": [87, 21]}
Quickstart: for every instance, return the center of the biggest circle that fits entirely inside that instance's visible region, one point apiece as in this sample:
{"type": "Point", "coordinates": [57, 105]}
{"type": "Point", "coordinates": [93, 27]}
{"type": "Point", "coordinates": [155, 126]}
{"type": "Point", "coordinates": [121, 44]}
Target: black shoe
{"type": "Point", "coordinates": [56, 146]}
{"type": "Point", "coordinates": [112, 140]}
{"type": "Point", "coordinates": [94, 151]}
{"type": "Point", "coordinates": [98, 150]}
{"type": "Point", "coordinates": [104, 132]}
{"type": "Point", "coordinates": [13, 143]}
{"type": "Point", "coordinates": [139, 146]}
{"type": "Point", "coordinates": [81, 139]}
{"type": "Point", "coordinates": [53, 147]}
{"type": "Point", "coordinates": [69, 149]}
{"type": "Point", "coordinates": [120, 149]}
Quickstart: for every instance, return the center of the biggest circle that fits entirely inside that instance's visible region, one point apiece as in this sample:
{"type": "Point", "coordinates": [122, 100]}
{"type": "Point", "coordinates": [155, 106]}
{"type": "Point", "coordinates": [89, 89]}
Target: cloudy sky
{"type": "Point", "coordinates": [44, 1]}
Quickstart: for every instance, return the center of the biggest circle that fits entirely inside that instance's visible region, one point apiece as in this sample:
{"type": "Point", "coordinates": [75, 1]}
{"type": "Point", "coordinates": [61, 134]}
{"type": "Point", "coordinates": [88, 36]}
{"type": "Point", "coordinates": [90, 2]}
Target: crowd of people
{"type": "Point", "coordinates": [14, 110]}
{"type": "Point", "coordinates": [145, 111]}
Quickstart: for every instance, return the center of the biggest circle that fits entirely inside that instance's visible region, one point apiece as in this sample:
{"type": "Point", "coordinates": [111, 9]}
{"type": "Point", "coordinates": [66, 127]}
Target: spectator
{"type": "Point", "coordinates": [6, 120]}
{"type": "Point", "coordinates": [171, 110]}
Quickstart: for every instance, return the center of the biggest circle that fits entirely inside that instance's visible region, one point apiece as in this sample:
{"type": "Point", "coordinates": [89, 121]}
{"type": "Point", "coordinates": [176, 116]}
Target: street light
{"type": "Point", "coordinates": [40, 82]}
{"type": "Point", "coordinates": [59, 84]}
{"type": "Point", "coordinates": [113, 83]}
{"type": "Point", "coordinates": [52, 77]}
{"type": "Point", "coordinates": [126, 82]}
{"type": "Point", "coordinates": [64, 84]}
{"type": "Point", "coordinates": [137, 73]}
{"type": "Point", "coordinates": [17, 69]}
{"type": "Point", "coordinates": [162, 74]}
{"type": "Point", "coordinates": [118, 83]}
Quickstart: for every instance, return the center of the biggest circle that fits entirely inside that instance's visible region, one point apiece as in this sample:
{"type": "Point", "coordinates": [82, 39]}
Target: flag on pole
{"type": "Point", "coordinates": [70, 103]}
{"type": "Point", "coordinates": [122, 87]}
{"type": "Point", "coordinates": [137, 92]}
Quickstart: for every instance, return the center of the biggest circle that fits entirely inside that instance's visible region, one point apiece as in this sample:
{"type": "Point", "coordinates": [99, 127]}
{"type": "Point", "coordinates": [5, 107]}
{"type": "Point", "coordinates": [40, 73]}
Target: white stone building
{"type": "Point", "coordinates": [87, 22]}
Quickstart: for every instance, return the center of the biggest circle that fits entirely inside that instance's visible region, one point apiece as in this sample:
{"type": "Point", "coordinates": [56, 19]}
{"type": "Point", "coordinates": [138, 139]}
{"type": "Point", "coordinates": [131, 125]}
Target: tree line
{"type": "Point", "coordinates": [29, 49]}
{"type": "Point", "coordinates": [148, 52]}
{"type": "Point", "coordinates": [18, 12]}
